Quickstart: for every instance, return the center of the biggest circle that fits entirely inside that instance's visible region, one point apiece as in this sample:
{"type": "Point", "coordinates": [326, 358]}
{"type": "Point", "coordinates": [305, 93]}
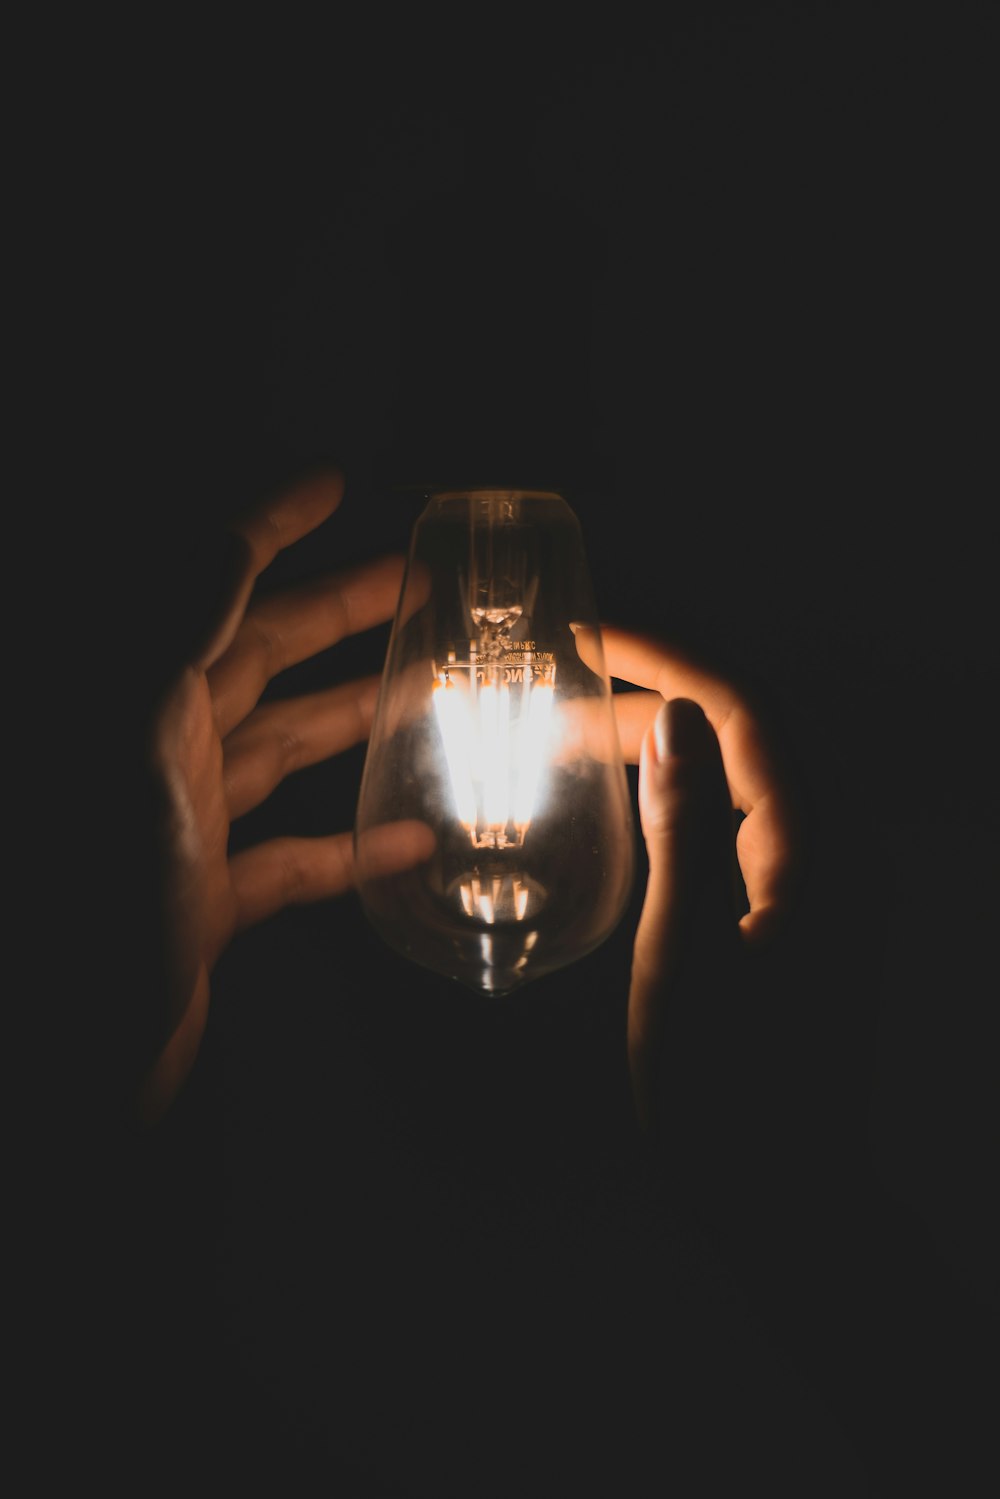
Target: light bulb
{"type": "Point", "coordinates": [492, 732]}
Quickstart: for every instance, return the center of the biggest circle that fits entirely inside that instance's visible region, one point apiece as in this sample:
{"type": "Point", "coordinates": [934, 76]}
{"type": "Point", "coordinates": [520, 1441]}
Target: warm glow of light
{"type": "Point", "coordinates": [453, 718]}
{"type": "Point", "coordinates": [534, 733]}
{"type": "Point", "coordinates": [500, 898]}
{"type": "Point", "coordinates": [494, 755]}
{"type": "Point", "coordinates": [495, 744]}
{"type": "Point", "coordinates": [484, 902]}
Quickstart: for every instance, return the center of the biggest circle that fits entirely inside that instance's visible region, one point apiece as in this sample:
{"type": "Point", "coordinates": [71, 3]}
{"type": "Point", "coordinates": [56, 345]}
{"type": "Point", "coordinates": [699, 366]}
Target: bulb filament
{"type": "Point", "coordinates": [495, 737]}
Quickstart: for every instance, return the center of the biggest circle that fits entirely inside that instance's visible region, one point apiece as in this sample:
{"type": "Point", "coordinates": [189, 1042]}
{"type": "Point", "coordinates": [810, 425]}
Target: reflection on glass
{"type": "Point", "coordinates": [492, 732]}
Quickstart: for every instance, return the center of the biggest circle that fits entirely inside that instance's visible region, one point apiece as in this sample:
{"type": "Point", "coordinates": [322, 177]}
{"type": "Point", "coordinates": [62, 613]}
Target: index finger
{"type": "Point", "coordinates": [285, 518]}
{"type": "Point", "coordinates": [254, 540]}
{"type": "Point", "coordinates": [653, 664]}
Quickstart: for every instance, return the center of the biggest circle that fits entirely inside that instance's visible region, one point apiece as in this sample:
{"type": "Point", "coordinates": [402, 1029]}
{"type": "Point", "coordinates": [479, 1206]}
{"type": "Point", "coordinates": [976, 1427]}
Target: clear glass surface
{"type": "Point", "coordinates": [495, 735]}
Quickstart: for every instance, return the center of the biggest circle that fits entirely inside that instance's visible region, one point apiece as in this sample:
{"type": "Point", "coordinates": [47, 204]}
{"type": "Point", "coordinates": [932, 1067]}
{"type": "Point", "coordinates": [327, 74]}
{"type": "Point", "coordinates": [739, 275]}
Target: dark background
{"type": "Point", "coordinates": [728, 283]}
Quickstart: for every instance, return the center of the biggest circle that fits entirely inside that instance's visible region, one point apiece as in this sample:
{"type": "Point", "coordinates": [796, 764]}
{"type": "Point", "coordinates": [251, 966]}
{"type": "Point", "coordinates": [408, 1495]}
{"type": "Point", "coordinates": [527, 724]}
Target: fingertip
{"type": "Point", "coordinates": [761, 926]}
{"type": "Point", "coordinates": [324, 484]}
{"type": "Point", "coordinates": [682, 779]}
{"type": "Point", "coordinates": [680, 728]}
{"type": "Point", "coordinates": [281, 520]}
{"type": "Point", "coordinates": [313, 499]}
{"type": "Point", "coordinates": [587, 638]}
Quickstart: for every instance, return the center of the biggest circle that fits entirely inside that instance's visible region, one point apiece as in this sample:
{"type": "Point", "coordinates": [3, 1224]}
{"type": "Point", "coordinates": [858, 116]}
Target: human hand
{"type": "Point", "coordinates": [215, 752]}
{"type": "Point", "coordinates": [706, 756]}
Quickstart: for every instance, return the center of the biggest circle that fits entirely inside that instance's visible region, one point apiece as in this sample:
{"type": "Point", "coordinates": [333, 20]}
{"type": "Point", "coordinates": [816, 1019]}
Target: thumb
{"type": "Point", "coordinates": [685, 812]}
{"type": "Point", "coordinates": [193, 600]}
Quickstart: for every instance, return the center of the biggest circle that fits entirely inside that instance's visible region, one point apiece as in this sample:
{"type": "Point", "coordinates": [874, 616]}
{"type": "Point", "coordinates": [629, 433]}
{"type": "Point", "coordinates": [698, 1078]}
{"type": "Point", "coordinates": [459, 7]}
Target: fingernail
{"type": "Point", "coordinates": [679, 728]}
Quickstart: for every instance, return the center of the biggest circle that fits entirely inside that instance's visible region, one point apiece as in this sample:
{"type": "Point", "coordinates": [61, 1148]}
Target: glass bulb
{"type": "Point", "coordinates": [492, 732]}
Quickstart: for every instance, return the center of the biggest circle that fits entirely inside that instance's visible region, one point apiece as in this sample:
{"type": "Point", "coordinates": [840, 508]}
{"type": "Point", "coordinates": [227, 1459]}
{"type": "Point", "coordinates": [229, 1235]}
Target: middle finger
{"type": "Point", "coordinates": [288, 627]}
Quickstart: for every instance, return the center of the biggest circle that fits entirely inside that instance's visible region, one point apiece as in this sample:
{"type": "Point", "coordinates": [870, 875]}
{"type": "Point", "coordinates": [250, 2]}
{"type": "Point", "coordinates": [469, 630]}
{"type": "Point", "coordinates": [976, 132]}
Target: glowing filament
{"type": "Point", "coordinates": [495, 744]}
{"type": "Point", "coordinates": [534, 731]}
{"type": "Point", "coordinates": [494, 750]}
{"type": "Point", "coordinates": [496, 899]}
{"type": "Point", "coordinates": [453, 718]}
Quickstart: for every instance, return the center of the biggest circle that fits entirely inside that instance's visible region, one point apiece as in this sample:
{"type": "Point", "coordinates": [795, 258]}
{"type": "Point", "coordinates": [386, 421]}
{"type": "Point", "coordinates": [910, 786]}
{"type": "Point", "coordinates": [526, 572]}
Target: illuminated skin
{"type": "Point", "coordinates": [216, 752]}
{"type": "Point", "coordinates": [685, 801]}
{"type": "Point", "coordinates": [703, 751]}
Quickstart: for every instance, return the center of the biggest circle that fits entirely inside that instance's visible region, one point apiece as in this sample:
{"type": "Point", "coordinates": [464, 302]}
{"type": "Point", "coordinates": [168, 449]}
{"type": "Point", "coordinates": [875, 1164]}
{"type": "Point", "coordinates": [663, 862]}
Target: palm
{"type": "Point", "coordinates": [219, 751]}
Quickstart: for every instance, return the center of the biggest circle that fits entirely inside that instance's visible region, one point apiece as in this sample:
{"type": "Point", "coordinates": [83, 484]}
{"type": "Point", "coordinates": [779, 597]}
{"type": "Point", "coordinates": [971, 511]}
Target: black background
{"type": "Point", "coordinates": [728, 284]}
